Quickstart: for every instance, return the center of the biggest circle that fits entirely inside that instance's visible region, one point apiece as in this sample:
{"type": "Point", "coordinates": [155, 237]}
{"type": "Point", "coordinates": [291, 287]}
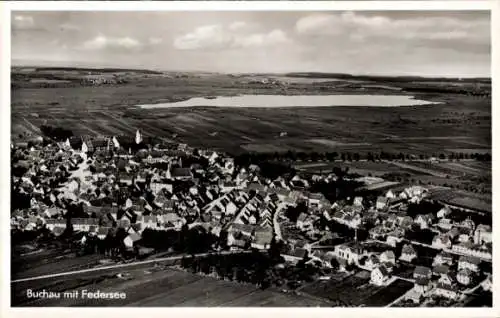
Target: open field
{"type": "Point", "coordinates": [154, 287]}
{"type": "Point", "coordinates": [461, 122]}
{"type": "Point", "coordinates": [355, 290]}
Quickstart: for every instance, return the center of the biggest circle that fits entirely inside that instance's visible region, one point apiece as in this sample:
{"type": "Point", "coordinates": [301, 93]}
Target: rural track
{"type": "Point", "coordinates": [110, 267]}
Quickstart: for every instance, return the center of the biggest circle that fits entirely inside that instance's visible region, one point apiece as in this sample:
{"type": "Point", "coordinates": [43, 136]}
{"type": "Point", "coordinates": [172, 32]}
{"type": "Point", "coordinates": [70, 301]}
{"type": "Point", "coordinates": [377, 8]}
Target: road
{"type": "Point", "coordinates": [117, 266]}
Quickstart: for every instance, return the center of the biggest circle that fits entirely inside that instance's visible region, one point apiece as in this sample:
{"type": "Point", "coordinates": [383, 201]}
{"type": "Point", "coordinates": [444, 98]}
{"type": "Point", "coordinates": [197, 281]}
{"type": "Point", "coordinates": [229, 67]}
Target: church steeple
{"type": "Point", "coordinates": [138, 137]}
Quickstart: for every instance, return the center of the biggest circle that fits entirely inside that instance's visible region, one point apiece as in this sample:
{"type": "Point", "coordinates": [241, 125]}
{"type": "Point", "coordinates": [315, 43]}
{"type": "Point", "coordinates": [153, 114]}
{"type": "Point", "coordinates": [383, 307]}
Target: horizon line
{"type": "Point", "coordinates": [159, 69]}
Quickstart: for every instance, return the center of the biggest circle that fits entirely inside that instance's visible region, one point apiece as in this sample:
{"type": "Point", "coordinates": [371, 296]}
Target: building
{"type": "Point", "coordinates": [379, 276]}
{"type": "Point", "coordinates": [388, 257]}
{"type": "Point", "coordinates": [441, 241]}
{"type": "Point", "coordinates": [131, 240]}
{"type": "Point", "coordinates": [469, 262]}
{"type": "Point", "coordinates": [262, 239]}
{"type": "Point", "coordinates": [422, 285]}
{"type": "Point", "coordinates": [351, 253]}
{"type": "Point", "coordinates": [443, 258]}
{"type": "Point", "coordinates": [446, 291]}
{"type": "Point", "coordinates": [295, 255]}
{"type": "Point", "coordinates": [482, 234]}
{"type": "Point", "coordinates": [382, 203]}
{"type": "Point", "coordinates": [465, 277]}
{"type": "Point", "coordinates": [474, 250]}
{"type": "Point", "coordinates": [408, 253]}
{"type": "Point", "coordinates": [422, 272]}
{"type": "Point", "coordinates": [84, 224]}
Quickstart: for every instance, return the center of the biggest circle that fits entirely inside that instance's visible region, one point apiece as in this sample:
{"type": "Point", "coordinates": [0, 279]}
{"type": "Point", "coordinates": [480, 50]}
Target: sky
{"type": "Point", "coordinates": [424, 43]}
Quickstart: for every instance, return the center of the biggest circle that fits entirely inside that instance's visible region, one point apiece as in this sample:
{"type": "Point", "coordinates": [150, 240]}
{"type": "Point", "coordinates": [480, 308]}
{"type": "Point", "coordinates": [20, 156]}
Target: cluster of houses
{"type": "Point", "coordinates": [168, 187]}
{"type": "Point", "coordinates": [149, 188]}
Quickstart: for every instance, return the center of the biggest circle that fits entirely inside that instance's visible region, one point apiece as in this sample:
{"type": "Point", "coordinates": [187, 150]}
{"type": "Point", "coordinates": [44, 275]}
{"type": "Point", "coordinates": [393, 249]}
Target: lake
{"type": "Point", "coordinates": [295, 101]}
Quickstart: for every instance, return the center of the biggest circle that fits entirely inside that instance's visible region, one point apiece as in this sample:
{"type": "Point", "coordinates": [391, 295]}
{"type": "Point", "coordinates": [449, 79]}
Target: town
{"type": "Point", "coordinates": [317, 234]}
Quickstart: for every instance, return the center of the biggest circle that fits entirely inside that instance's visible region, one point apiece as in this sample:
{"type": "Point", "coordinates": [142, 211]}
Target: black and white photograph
{"type": "Point", "coordinates": [250, 158]}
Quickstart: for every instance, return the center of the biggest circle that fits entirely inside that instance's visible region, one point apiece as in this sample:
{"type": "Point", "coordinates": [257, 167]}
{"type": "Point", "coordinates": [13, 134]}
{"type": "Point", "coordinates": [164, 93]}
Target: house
{"type": "Point", "coordinates": [422, 272]}
{"type": "Point", "coordinates": [173, 219]}
{"type": "Point", "coordinates": [395, 237]}
{"type": "Point", "coordinates": [471, 249]}
{"type": "Point", "coordinates": [465, 277]}
{"type": "Point", "coordinates": [58, 230]}
{"type": "Point", "coordinates": [423, 220]}
{"type": "Point", "coordinates": [182, 174]}
{"type": "Point", "coordinates": [262, 239]}
{"type": "Point", "coordinates": [379, 276]}
{"type": "Point", "coordinates": [390, 195]}
{"type": "Point", "coordinates": [469, 262]}
{"type": "Point", "coordinates": [351, 253]}
{"type": "Point", "coordinates": [382, 203]}
{"type": "Point", "coordinates": [441, 241]}
{"type": "Point", "coordinates": [445, 224]}
{"type": "Point", "coordinates": [304, 222]}
{"type": "Point", "coordinates": [445, 290]}
{"type": "Point", "coordinates": [388, 257]}
{"type": "Point", "coordinates": [444, 212]}
{"type": "Point", "coordinates": [440, 270]}
{"type": "Point", "coordinates": [443, 258]}
{"type": "Point", "coordinates": [482, 234]}
{"type": "Point", "coordinates": [358, 201]}
{"type": "Point", "coordinates": [102, 232]}
{"type": "Point", "coordinates": [371, 262]}
{"type": "Point", "coordinates": [422, 285]}
{"type": "Point", "coordinates": [295, 255]}
{"type": "Point", "coordinates": [53, 223]}
{"type": "Point", "coordinates": [84, 224]}
{"type": "Point", "coordinates": [408, 253]}
{"type": "Point", "coordinates": [131, 240]}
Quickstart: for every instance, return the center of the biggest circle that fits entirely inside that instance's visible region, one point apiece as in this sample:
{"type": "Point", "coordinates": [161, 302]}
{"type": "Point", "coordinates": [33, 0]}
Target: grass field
{"type": "Point", "coordinates": [148, 287]}
{"type": "Point", "coordinates": [461, 122]}
{"type": "Point", "coordinates": [355, 290]}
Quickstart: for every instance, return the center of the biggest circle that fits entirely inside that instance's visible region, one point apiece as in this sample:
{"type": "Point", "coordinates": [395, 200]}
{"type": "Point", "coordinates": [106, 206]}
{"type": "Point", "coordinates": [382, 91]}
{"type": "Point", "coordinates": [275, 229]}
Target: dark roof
{"type": "Point", "coordinates": [470, 259]}
{"type": "Point", "coordinates": [422, 270]}
{"type": "Point", "coordinates": [383, 270]}
{"type": "Point", "coordinates": [181, 172]}
{"type": "Point", "coordinates": [423, 281]}
{"type": "Point", "coordinates": [441, 269]}
{"type": "Point", "coordinates": [408, 249]}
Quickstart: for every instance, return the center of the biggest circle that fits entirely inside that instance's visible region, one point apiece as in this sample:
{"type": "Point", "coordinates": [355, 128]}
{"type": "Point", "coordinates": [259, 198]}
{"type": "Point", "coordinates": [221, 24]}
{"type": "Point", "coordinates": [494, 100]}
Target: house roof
{"type": "Point", "coordinates": [441, 269]}
{"type": "Point", "coordinates": [84, 221]}
{"type": "Point", "coordinates": [389, 254]}
{"type": "Point", "coordinates": [470, 259]}
{"type": "Point", "coordinates": [382, 199]}
{"type": "Point", "coordinates": [181, 172]}
{"type": "Point", "coordinates": [422, 281]}
{"type": "Point", "coordinates": [383, 270]}
{"type": "Point", "coordinates": [134, 237]}
{"type": "Point", "coordinates": [262, 237]}
{"type": "Point", "coordinates": [465, 272]}
{"type": "Point", "coordinates": [103, 230]}
{"type": "Point", "coordinates": [408, 249]}
{"type": "Point", "coordinates": [422, 270]}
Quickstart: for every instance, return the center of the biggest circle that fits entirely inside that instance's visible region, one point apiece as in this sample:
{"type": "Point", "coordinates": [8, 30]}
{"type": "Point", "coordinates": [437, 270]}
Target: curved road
{"type": "Point", "coordinates": [156, 260]}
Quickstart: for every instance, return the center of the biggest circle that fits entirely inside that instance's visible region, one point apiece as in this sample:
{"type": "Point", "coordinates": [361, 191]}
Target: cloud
{"type": "Point", "coordinates": [208, 36]}
{"type": "Point", "coordinates": [155, 40]}
{"type": "Point", "coordinates": [235, 35]}
{"type": "Point", "coordinates": [23, 22]}
{"type": "Point", "coordinates": [102, 42]}
{"type": "Point", "coordinates": [238, 25]}
{"type": "Point", "coordinates": [364, 26]}
{"type": "Point", "coordinates": [69, 27]}
{"type": "Point", "coordinates": [261, 39]}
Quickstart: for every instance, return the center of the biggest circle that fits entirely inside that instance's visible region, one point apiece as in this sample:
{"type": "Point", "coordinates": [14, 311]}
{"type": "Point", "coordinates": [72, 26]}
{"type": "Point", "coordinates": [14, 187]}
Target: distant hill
{"type": "Point", "coordinates": [386, 78]}
{"type": "Point", "coordinates": [86, 69]}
